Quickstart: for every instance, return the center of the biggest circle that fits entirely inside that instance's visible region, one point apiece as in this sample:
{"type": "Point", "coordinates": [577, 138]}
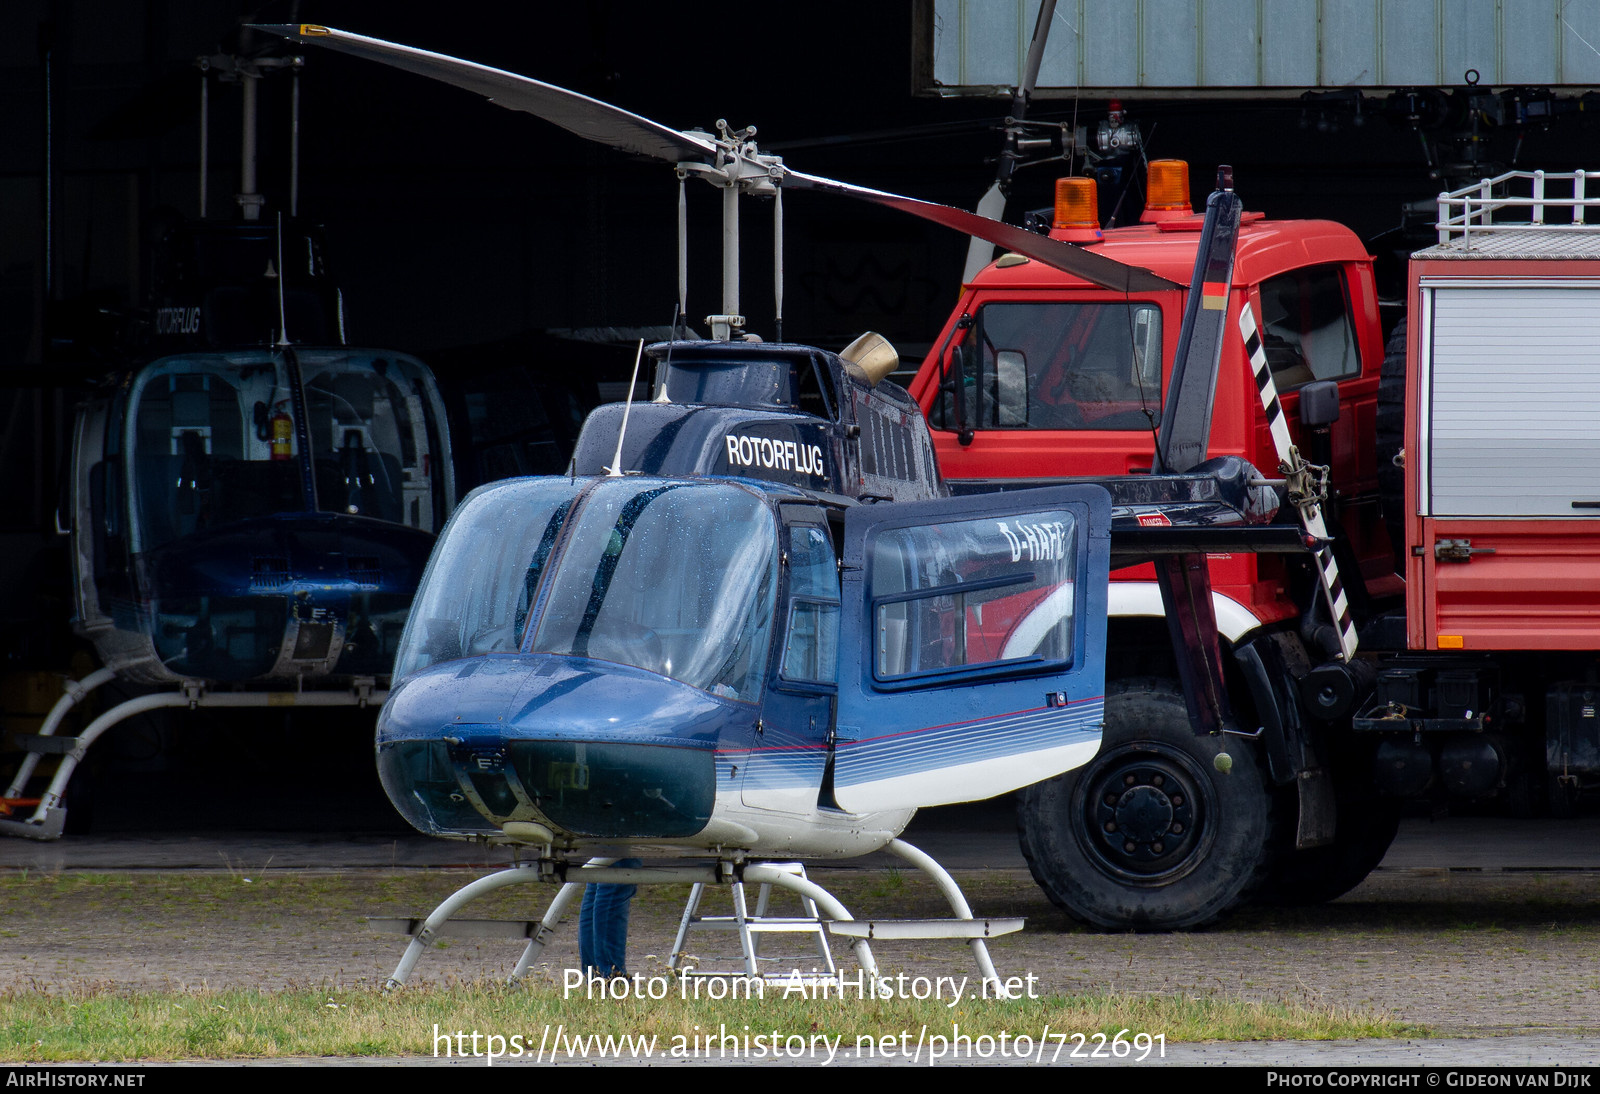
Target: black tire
{"type": "Point", "coordinates": [1391, 438]}
{"type": "Point", "coordinates": [1366, 826]}
{"type": "Point", "coordinates": [1200, 840]}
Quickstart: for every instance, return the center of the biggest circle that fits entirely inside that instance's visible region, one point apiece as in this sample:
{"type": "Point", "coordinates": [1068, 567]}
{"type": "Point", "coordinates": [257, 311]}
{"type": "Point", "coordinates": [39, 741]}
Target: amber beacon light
{"type": "Point", "coordinates": [1077, 204]}
{"type": "Point", "coordinates": [1167, 190]}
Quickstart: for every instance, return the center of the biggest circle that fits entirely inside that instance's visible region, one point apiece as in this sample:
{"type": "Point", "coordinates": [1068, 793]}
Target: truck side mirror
{"type": "Point", "coordinates": [967, 392]}
{"type": "Point", "coordinates": [1011, 388]}
{"type": "Point", "coordinates": [1319, 404]}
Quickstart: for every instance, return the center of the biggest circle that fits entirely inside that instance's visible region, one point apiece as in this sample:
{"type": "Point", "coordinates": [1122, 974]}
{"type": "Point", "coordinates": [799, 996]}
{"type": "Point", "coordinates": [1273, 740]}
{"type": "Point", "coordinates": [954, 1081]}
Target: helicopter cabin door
{"type": "Point", "coordinates": [972, 652]}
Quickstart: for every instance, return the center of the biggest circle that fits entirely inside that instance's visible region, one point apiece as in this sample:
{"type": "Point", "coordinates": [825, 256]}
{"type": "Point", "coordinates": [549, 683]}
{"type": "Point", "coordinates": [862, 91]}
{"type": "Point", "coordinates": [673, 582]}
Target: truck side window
{"type": "Point", "coordinates": [1307, 331]}
{"type": "Point", "coordinates": [1056, 365]}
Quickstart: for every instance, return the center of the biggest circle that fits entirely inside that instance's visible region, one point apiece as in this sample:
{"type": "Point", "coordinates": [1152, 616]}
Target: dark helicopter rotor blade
{"type": "Point", "coordinates": [589, 118]}
{"type": "Point", "coordinates": [1184, 438]}
{"type": "Point", "coordinates": [611, 125]}
{"type": "Point", "coordinates": [1105, 272]}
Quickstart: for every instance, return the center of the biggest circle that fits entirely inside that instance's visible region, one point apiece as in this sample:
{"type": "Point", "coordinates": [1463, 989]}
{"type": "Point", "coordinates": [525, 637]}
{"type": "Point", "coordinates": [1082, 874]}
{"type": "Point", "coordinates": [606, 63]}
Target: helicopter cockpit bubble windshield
{"type": "Point", "coordinates": [618, 632]}
{"type": "Point", "coordinates": [675, 578]}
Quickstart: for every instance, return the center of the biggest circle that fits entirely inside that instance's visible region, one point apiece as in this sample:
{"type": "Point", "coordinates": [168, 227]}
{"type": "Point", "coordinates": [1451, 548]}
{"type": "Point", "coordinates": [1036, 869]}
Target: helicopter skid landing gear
{"type": "Point", "coordinates": [49, 815]}
{"type": "Point", "coordinates": [598, 871]}
{"type": "Point", "coordinates": [838, 919]}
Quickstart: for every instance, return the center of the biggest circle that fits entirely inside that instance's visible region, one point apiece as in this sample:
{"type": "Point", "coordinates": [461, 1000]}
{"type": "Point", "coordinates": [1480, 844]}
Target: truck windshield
{"type": "Point", "coordinates": [1051, 365]}
{"type": "Point", "coordinates": [675, 578]}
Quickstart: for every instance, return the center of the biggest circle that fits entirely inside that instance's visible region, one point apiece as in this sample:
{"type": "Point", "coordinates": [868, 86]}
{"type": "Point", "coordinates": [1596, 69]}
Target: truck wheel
{"type": "Point", "coordinates": [1148, 835]}
{"type": "Point", "coordinates": [1366, 827]}
{"type": "Point", "coordinates": [1391, 438]}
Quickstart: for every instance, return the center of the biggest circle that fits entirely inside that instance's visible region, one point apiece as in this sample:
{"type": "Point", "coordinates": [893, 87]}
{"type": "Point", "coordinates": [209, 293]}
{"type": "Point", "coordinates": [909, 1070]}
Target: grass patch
{"type": "Point", "coordinates": [307, 990]}
{"type": "Point", "coordinates": [107, 1025]}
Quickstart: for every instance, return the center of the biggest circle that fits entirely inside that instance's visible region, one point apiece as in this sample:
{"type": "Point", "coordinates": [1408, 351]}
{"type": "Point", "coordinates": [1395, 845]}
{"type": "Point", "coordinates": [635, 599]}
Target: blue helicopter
{"type": "Point", "coordinates": [251, 500]}
{"type": "Point", "coordinates": [751, 622]}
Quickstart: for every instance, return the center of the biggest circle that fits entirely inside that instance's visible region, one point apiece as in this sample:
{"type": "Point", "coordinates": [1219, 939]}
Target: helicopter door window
{"type": "Point", "coordinates": [811, 649]}
{"type": "Point", "coordinates": [186, 436]}
{"type": "Point", "coordinates": [972, 593]}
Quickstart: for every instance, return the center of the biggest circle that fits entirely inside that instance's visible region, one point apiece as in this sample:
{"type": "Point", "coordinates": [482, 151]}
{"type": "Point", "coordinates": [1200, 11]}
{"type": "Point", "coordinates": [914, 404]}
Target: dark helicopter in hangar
{"type": "Point", "coordinates": [751, 623]}
{"type": "Point", "coordinates": [252, 499]}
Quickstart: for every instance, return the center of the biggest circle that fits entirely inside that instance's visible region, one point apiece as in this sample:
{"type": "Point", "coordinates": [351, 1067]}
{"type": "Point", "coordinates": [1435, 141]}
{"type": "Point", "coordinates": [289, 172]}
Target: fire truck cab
{"type": "Point", "coordinates": [1041, 376]}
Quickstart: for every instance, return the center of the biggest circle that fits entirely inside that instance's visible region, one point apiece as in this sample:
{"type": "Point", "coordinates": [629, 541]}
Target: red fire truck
{"type": "Point", "coordinates": [1454, 695]}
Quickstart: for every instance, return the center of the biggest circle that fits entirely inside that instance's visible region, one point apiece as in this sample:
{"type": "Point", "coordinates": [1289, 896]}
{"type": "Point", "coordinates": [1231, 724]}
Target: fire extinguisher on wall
{"type": "Point", "coordinates": [282, 434]}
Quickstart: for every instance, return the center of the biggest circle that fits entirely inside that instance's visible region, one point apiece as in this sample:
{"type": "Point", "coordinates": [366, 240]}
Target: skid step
{"type": "Point", "coordinates": [45, 746]}
{"type": "Point", "coordinates": [48, 829]}
{"type": "Point", "coordinates": [924, 928]}
{"type": "Point", "coordinates": [457, 928]}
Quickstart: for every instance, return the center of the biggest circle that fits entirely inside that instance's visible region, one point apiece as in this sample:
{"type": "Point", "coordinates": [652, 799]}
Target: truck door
{"type": "Point", "coordinates": [972, 645]}
{"type": "Point", "coordinates": [1312, 330]}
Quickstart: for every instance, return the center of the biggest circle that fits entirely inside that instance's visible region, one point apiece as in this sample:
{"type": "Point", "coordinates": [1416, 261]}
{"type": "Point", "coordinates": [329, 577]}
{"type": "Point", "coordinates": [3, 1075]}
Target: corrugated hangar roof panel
{"type": "Point", "coordinates": [981, 45]}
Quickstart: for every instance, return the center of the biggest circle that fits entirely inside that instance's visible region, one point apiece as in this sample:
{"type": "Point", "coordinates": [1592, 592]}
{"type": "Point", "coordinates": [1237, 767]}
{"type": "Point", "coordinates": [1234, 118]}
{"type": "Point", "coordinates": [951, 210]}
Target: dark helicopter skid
{"type": "Point", "coordinates": [280, 598]}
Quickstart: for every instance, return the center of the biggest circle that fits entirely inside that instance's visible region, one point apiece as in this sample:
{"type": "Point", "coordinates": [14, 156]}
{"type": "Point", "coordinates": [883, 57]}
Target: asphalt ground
{"type": "Point", "coordinates": [968, 837]}
{"type": "Point", "coordinates": [296, 803]}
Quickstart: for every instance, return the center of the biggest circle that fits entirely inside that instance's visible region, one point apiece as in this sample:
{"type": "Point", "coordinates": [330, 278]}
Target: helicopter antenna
{"type": "Point", "coordinates": [666, 367]}
{"type": "Point", "coordinates": [283, 312]}
{"type": "Point", "coordinates": [615, 470]}
{"type": "Point", "coordinates": [205, 131]}
{"type": "Point", "coordinates": [294, 138]}
{"type": "Point", "coordinates": [683, 251]}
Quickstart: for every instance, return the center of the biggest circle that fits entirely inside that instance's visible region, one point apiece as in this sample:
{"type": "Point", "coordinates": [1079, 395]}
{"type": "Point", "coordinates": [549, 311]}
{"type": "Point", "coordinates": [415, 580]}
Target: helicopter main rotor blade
{"type": "Point", "coordinates": [611, 125]}
{"type": "Point", "coordinates": [1184, 439]}
{"type": "Point", "coordinates": [1105, 272]}
{"type": "Point", "coordinates": [589, 118]}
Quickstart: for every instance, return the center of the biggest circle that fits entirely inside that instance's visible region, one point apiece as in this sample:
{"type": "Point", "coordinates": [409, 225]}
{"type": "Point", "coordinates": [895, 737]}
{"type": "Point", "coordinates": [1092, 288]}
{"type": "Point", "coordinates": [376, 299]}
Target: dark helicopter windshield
{"type": "Point", "coordinates": [675, 578]}
{"type": "Point", "coordinates": [373, 434]}
{"type": "Point", "coordinates": [198, 460]}
{"type": "Point", "coordinates": [213, 439]}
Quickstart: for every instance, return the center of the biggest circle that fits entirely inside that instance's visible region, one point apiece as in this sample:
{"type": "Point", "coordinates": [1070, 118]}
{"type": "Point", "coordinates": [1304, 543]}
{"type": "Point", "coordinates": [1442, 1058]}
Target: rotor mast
{"type": "Point", "coordinates": [738, 168]}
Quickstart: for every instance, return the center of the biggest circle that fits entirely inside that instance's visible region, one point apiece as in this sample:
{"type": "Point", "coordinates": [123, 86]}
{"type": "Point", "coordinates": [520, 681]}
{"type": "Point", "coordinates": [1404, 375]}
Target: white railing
{"type": "Point", "coordinates": [1488, 207]}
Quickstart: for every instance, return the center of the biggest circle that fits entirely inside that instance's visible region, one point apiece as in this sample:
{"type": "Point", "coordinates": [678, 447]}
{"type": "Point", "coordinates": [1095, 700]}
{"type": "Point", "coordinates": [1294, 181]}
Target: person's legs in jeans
{"type": "Point", "coordinates": [603, 925]}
